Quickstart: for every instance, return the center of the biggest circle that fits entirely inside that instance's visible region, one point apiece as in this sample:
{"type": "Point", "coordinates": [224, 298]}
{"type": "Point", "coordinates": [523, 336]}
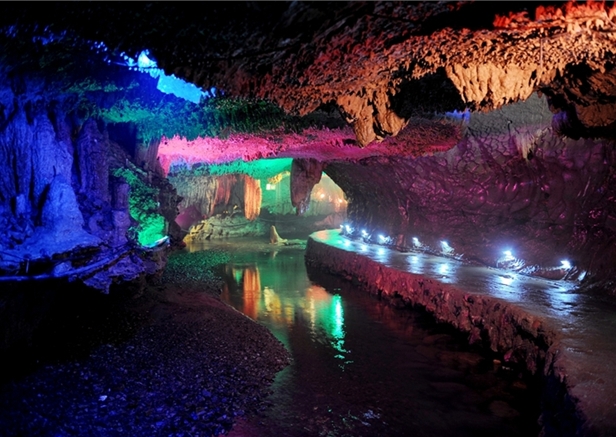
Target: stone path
{"type": "Point", "coordinates": [585, 321]}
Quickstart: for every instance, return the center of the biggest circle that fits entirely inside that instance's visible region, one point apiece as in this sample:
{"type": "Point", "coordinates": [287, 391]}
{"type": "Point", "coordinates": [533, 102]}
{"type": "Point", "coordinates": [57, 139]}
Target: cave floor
{"type": "Point", "coordinates": [165, 358]}
{"type": "Point", "coordinates": [584, 322]}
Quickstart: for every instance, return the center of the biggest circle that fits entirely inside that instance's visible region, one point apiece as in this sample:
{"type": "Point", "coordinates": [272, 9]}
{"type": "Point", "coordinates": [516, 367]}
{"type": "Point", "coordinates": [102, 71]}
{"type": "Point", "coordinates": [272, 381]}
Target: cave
{"type": "Point", "coordinates": [374, 136]}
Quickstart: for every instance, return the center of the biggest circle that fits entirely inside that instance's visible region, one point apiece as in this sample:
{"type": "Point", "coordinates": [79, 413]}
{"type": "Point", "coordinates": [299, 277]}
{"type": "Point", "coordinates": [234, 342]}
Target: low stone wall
{"type": "Point", "coordinates": [519, 337]}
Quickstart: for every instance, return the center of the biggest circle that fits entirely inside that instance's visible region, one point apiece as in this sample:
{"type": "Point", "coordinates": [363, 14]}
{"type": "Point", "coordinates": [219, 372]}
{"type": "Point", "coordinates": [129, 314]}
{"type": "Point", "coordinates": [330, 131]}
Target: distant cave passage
{"type": "Point", "coordinates": [238, 204]}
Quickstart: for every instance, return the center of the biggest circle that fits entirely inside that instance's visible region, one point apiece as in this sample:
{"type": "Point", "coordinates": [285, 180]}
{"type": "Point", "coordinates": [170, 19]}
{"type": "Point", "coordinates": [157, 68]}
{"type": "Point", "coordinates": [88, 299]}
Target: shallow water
{"type": "Point", "coordinates": [362, 367]}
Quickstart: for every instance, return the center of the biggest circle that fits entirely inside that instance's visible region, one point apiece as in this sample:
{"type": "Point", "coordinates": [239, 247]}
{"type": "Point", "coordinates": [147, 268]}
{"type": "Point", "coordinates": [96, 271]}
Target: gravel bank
{"type": "Point", "coordinates": [171, 360]}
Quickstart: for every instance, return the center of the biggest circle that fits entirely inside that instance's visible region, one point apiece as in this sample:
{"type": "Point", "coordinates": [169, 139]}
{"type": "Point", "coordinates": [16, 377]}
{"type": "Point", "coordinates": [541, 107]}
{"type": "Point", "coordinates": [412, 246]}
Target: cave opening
{"type": "Point", "coordinates": [248, 199]}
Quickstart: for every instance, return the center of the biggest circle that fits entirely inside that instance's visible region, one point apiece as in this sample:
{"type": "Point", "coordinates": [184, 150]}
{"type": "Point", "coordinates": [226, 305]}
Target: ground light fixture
{"type": "Point", "coordinates": [348, 229]}
{"type": "Point", "coordinates": [446, 248]}
{"type": "Point", "coordinates": [565, 264]}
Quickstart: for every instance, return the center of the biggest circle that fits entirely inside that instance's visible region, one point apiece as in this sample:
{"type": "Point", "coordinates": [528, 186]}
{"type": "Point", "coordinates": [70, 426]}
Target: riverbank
{"type": "Point", "coordinates": [168, 358]}
{"type": "Point", "coordinates": [551, 328]}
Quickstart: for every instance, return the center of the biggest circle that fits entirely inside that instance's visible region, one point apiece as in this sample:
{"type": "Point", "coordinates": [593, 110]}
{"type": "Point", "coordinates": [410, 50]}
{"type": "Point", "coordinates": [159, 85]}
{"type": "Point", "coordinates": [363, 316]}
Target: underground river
{"type": "Point", "coordinates": [362, 367]}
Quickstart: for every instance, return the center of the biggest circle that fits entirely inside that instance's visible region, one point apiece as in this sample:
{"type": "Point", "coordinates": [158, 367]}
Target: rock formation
{"type": "Point", "coordinates": [409, 79]}
{"type": "Point", "coordinates": [305, 174]}
{"type": "Point", "coordinates": [488, 125]}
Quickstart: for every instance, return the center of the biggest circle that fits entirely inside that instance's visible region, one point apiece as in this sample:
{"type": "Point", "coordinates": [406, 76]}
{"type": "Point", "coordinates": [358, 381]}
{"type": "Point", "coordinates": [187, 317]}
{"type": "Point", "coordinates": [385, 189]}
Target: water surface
{"type": "Point", "coordinates": [362, 367]}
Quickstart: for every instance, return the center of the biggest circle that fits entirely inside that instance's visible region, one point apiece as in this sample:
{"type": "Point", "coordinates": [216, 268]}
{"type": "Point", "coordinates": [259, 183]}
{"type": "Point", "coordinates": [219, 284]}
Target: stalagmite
{"type": "Point", "coordinates": [275, 238]}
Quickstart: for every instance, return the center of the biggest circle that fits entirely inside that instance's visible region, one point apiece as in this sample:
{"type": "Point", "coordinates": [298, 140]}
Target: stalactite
{"type": "Point", "coordinates": [225, 186]}
{"type": "Point", "coordinates": [197, 193]}
{"type": "Point", "coordinates": [305, 174]}
{"type": "Point", "coordinates": [252, 198]}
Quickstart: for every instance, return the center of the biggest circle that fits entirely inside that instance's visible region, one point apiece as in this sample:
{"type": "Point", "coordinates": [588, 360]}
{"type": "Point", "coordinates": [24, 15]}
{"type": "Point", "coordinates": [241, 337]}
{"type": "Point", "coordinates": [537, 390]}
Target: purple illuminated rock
{"type": "Point", "coordinates": [93, 167]}
{"type": "Point", "coordinates": [511, 184]}
{"type": "Point", "coordinates": [61, 211]}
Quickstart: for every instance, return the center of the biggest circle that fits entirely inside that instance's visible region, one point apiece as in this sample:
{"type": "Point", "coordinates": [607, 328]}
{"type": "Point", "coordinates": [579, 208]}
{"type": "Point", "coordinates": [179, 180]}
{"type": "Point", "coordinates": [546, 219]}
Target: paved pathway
{"type": "Point", "coordinates": [587, 321]}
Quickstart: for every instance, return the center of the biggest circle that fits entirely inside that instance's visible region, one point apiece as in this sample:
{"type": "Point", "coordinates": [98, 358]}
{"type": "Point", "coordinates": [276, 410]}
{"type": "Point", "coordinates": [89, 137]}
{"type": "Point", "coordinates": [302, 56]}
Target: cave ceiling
{"type": "Point", "coordinates": [484, 124]}
{"type": "Point", "coordinates": [382, 64]}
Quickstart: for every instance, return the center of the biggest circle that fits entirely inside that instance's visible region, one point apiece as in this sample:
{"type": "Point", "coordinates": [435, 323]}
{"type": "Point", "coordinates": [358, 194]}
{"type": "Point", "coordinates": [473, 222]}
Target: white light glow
{"type": "Point", "coordinates": [506, 280]}
{"type": "Point", "coordinates": [143, 61]}
{"type": "Point", "coordinates": [364, 233]}
{"type": "Point", "coordinates": [416, 242]}
{"type": "Point", "coordinates": [446, 247]}
{"type": "Point", "coordinates": [443, 269]}
{"type": "Point", "coordinates": [508, 255]}
{"type": "Point", "coordinates": [565, 264]}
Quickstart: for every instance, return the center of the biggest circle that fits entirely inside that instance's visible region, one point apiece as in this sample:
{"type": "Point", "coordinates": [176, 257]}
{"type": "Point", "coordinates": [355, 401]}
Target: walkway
{"type": "Point", "coordinates": [587, 323]}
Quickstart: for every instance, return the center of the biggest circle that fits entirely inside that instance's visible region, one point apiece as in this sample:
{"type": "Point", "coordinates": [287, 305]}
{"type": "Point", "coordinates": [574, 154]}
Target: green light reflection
{"type": "Point", "coordinates": [281, 305]}
{"type": "Point", "coordinates": [337, 325]}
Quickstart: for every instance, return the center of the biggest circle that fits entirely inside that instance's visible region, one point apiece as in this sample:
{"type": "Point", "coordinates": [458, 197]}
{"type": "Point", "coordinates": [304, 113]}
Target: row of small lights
{"type": "Point", "coordinates": [445, 247]}
{"type": "Point", "coordinates": [508, 257]}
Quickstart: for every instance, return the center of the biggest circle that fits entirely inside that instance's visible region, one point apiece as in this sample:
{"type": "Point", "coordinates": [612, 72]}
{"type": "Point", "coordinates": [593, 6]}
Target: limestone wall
{"type": "Point", "coordinates": [512, 183]}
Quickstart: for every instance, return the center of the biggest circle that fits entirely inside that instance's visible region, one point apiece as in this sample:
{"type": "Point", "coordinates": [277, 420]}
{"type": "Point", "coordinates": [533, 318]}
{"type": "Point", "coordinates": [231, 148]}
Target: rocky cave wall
{"type": "Point", "coordinates": [513, 183]}
{"type": "Point", "coordinates": [378, 62]}
{"type": "Point", "coordinates": [63, 203]}
{"type": "Point", "coordinates": [41, 154]}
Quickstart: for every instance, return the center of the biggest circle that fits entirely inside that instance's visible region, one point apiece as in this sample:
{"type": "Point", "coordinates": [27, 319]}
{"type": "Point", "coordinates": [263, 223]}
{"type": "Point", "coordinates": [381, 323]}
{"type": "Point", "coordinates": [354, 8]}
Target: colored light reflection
{"type": "Point", "coordinates": [337, 326]}
{"type": "Point", "coordinates": [416, 264]}
{"type": "Point", "coordinates": [506, 280]}
{"type": "Point", "coordinates": [443, 268]}
{"type": "Point", "coordinates": [382, 255]}
{"type": "Point", "coordinates": [168, 84]}
{"type": "Point", "coordinates": [262, 297]}
{"type": "Point", "coordinates": [563, 298]}
{"type": "Point", "coordinates": [446, 270]}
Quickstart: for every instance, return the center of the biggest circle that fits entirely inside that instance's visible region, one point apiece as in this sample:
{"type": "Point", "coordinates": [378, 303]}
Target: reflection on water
{"type": "Point", "coordinates": [362, 367]}
{"type": "Point", "coordinates": [280, 310]}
